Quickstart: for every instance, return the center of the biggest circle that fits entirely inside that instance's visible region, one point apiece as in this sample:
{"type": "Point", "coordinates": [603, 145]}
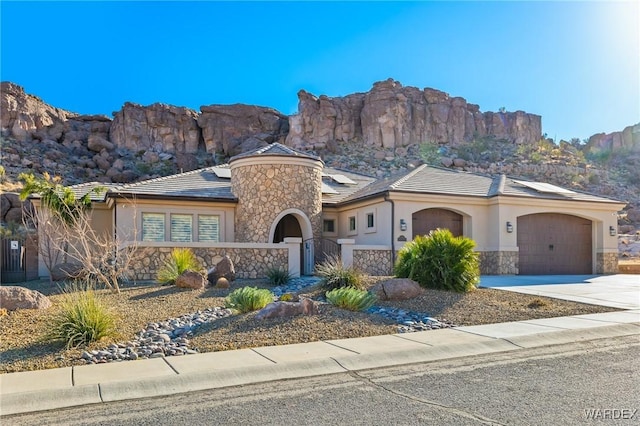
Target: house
{"type": "Point", "coordinates": [279, 207]}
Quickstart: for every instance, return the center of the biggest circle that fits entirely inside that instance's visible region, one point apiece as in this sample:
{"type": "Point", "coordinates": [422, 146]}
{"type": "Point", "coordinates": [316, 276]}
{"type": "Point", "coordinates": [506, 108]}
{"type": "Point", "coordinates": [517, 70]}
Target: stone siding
{"type": "Point", "coordinates": [499, 262]}
{"type": "Point", "coordinates": [266, 190]}
{"type": "Point", "coordinates": [373, 262]}
{"type": "Point", "coordinates": [606, 263]}
{"type": "Point", "coordinates": [248, 262]}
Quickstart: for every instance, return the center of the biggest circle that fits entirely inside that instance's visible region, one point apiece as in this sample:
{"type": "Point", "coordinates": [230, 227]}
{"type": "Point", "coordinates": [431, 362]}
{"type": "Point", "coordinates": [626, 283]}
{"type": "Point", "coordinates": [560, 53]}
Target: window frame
{"type": "Point", "coordinates": [171, 230]}
{"type": "Point", "coordinates": [354, 219]}
{"type": "Point", "coordinates": [164, 226]}
{"type": "Point", "coordinates": [370, 214]}
{"type": "Point", "coordinates": [218, 225]}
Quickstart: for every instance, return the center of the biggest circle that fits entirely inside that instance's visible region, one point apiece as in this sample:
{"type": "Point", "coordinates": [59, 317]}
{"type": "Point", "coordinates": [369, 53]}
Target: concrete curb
{"type": "Point", "coordinates": [425, 349]}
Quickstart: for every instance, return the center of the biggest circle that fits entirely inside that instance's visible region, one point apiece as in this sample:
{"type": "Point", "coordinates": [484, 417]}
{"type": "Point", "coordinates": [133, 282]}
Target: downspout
{"type": "Point", "coordinates": [393, 221]}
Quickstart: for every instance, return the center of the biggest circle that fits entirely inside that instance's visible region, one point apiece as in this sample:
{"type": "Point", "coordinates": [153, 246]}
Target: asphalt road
{"type": "Point", "coordinates": [595, 382]}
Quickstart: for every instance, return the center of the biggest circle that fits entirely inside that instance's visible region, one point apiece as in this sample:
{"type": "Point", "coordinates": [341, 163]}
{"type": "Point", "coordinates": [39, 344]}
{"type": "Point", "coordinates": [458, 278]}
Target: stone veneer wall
{"type": "Point", "coordinates": [499, 262]}
{"type": "Point", "coordinates": [248, 262]}
{"type": "Point", "coordinates": [606, 263]}
{"type": "Point", "coordinates": [373, 262]}
{"type": "Point", "coordinates": [265, 190]}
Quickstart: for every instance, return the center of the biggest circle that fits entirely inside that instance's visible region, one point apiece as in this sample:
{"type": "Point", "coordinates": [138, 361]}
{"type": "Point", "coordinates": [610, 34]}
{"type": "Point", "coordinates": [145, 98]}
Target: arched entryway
{"type": "Point", "coordinates": [294, 223]}
{"type": "Point", "coordinates": [427, 220]}
{"type": "Point", "coordinates": [287, 227]}
{"type": "Point", "coordinates": [554, 243]}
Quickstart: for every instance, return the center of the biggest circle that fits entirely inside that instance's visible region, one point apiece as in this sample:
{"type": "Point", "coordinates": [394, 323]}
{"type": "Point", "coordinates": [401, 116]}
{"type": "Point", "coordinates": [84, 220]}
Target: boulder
{"type": "Point", "coordinates": [222, 283]}
{"type": "Point", "coordinates": [15, 297]}
{"type": "Point", "coordinates": [229, 129]}
{"type": "Point", "coordinates": [190, 279]}
{"type": "Point", "coordinates": [224, 268]}
{"type": "Point", "coordinates": [397, 289]}
{"type": "Point", "coordinates": [159, 127]}
{"type": "Point", "coordinates": [288, 309]}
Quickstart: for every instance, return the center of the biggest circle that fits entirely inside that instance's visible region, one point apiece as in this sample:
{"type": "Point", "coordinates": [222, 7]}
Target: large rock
{"type": "Point", "coordinates": [223, 269]}
{"type": "Point", "coordinates": [391, 116]}
{"type": "Point", "coordinates": [80, 128]}
{"type": "Point", "coordinates": [628, 139]}
{"type": "Point", "coordinates": [288, 309]}
{"type": "Point", "coordinates": [397, 289]}
{"type": "Point", "coordinates": [25, 116]}
{"type": "Point", "coordinates": [190, 279]}
{"type": "Point", "coordinates": [14, 297]}
{"type": "Point", "coordinates": [225, 128]}
{"type": "Point", "coordinates": [158, 127]}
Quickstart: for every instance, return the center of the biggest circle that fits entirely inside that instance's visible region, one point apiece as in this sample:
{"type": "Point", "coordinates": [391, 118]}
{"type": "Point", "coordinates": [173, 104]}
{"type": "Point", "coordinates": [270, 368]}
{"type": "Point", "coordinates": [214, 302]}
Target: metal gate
{"type": "Point", "coordinates": [19, 260]}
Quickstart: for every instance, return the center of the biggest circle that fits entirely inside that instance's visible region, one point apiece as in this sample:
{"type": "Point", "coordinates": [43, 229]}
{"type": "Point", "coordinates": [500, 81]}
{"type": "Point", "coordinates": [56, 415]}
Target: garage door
{"type": "Point", "coordinates": [551, 243]}
{"type": "Point", "coordinates": [428, 220]}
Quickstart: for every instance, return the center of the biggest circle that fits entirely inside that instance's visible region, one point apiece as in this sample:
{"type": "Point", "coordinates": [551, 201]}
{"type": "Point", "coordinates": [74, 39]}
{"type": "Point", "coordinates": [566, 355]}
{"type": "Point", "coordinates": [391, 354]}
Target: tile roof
{"type": "Point", "coordinates": [436, 180]}
{"type": "Point", "coordinates": [82, 189]}
{"type": "Point", "coordinates": [201, 183]}
{"type": "Point", "coordinates": [206, 184]}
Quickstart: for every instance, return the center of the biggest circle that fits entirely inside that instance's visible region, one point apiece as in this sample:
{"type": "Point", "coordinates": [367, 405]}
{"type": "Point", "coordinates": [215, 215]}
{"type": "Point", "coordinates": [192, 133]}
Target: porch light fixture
{"type": "Point", "coordinates": [403, 225]}
{"type": "Point", "coordinates": [612, 231]}
{"type": "Point", "coordinates": [509, 227]}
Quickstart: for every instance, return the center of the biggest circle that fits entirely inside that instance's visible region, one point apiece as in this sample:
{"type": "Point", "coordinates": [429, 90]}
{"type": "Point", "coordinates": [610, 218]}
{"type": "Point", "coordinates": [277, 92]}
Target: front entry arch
{"type": "Point", "coordinates": [294, 223]}
{"type": "Point", "coordinates": [427, 220]}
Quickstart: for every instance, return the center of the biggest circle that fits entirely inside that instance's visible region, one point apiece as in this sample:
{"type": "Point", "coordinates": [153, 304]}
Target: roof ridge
{"type": "Point", "coordinates": [407, 176]}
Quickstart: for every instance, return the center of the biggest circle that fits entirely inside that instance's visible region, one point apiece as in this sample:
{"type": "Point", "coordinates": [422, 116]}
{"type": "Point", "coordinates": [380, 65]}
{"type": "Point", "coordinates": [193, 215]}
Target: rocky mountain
{"type": "Point", "coordinates": [391, 115]}
{"type": "Point", "coordinates": [382, 131]}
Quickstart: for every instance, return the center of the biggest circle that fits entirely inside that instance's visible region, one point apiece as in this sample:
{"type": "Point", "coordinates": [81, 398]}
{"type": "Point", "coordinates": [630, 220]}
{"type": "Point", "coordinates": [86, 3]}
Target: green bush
{"type": "Point", "coordinates": [181, 260]}
{"type": "Point", "coordinates": [83, 318]}
{"type": "Point", "coordinates": [440, 261]}
{"type": "Point", "coordinates": [247, 299]}
{"type": "Point", "coordinates": [351, 298]}
{"type": "Point", "coordinates": [278, 276]}
{"type": "Point", "coordinates": [335, 275]}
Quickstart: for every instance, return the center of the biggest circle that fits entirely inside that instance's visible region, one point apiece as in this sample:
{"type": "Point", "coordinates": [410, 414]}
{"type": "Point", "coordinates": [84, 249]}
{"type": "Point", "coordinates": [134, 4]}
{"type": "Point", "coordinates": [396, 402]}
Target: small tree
{"type": "Point", "coordinates": [440, 260]}
{"type": "Point", "coordinates": [65, 224]}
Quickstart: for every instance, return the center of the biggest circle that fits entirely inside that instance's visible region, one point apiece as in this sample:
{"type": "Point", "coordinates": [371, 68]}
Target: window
{"type": "Point", "coordinates": [181, 227]}
{"type": "Point", "coordinates": [209, 228]}
{"type": "Point", "coordinates": [352, 224]}
{"type": "Point", "coordinates": [152, 226]}
{"type": "Point", "coordinates": [329, 226]}
{"type": "Point", "coordinates": [370, 222]}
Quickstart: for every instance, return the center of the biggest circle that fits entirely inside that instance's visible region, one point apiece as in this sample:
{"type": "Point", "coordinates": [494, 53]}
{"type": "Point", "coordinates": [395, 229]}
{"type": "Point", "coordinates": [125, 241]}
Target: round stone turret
{"type": "Point", "coordinates": [275, 186]}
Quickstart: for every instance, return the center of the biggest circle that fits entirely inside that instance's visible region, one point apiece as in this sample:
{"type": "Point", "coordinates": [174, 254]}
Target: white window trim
{"type": "Point", "coordinates": [349, 230]}
{"type": "Point", "coordinates": [374, 228]}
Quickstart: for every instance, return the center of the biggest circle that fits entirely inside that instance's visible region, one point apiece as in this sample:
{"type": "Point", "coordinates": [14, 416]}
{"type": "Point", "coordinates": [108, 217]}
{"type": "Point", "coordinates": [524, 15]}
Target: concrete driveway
{"type": "Point", "coordinates": [617, 291]}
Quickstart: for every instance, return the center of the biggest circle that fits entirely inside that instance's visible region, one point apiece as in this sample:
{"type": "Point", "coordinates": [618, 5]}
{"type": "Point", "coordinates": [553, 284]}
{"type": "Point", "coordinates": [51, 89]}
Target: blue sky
{"type": "Point", "coordinates": [575, 63]}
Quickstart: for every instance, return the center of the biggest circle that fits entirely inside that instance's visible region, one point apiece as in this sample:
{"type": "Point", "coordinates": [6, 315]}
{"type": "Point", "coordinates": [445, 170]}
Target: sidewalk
{"type": "Point", "coordinates": [92, 384]}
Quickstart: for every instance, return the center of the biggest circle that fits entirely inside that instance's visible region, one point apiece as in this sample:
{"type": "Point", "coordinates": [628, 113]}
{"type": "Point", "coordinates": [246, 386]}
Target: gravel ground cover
{"type": "Point", "coordinates": [23, 347]}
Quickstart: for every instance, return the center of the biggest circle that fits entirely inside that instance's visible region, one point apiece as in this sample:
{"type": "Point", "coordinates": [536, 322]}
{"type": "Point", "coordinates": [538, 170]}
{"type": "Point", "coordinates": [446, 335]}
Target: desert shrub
{"type": "Point", "coordinates": [278, 276]}
{"type": "Point", "coordinates": [430, 153]}
{"type": "Point", "coordinates": [335, 275]}
{"type": "Point", "coordinates": [440, 260]}
{"type": "Point", "coordinates": [247, 299]}
{"type": "Point", "coordinates": [351, 298]}
{"type": "Point", "coordinates": [82, 319]}
{"type": "Point", "coordinates": [181, 260]}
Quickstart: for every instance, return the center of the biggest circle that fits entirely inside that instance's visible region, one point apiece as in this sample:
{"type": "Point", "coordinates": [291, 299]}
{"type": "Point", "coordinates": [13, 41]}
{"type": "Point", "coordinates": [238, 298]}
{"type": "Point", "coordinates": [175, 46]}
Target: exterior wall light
{"type": "Point", "coordinates": [403, 225]}
{"type": "Point", "coordinates": [509, 227]}
{"type": "Point", "coordinates": [612, 231]}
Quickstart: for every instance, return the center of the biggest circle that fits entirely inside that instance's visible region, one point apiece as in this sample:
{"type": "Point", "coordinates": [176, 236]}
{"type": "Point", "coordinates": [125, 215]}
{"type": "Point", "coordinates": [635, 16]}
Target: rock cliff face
{"type": "Point", "coordinates": [629, 139]}
{"type": "Point", "coordinates": [157, 127]}
{"type": "Point", "coordinates": [233, 129]}
{"type": "Point", "coordinates": [391, 116]}
{"type": "Point", "coordinates": [27, 117]}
